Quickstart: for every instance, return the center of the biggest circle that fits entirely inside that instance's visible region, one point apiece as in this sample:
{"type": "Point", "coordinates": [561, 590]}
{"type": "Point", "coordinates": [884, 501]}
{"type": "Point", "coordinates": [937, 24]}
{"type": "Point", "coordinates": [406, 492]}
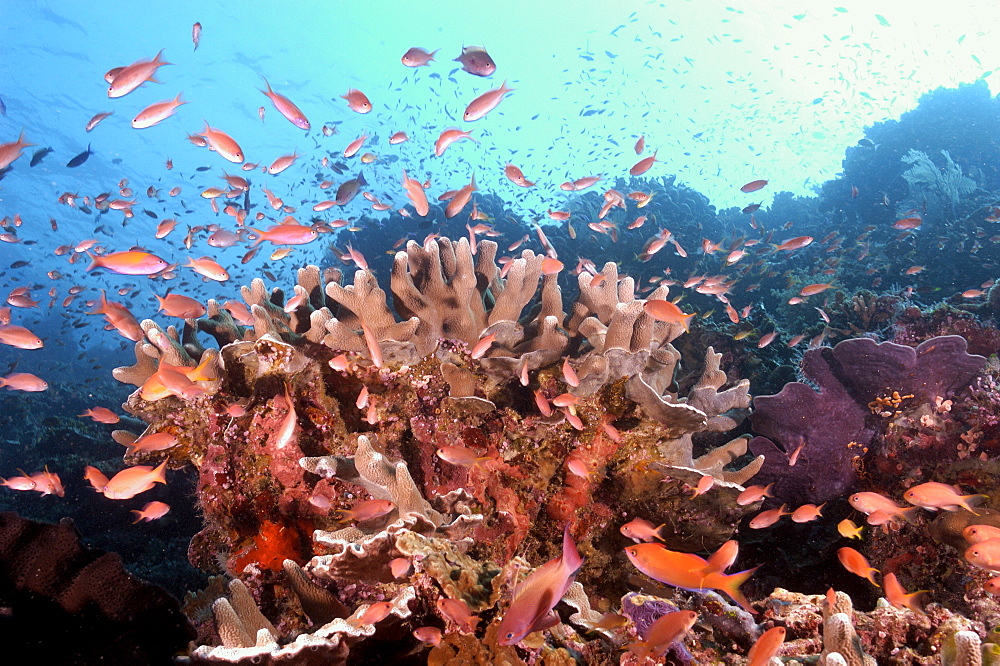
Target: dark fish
{"type": "Point", "coordinates": [149, 213]}
{"type": "Point", "coordinates": [84, 209]}
{"type": "Point", "coordinates": [81, 158]}
{"type": "Point", "coordinates": [20, 264]}
{"type": "Point", "coordinates": [39, 156]}
{"type": "Point", "coordinates": [3, 108]}
{"type": "Point", "coordinates": [202, 168]}
{"type": "Point", "coordinates": [349, 189]}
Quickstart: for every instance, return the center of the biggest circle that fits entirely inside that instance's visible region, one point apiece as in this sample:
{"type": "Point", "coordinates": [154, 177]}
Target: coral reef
{"type": "Point", "coordinates": [480, 423]}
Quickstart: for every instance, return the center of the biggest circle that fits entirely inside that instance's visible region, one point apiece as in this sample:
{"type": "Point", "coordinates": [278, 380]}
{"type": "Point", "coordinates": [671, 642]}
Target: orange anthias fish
{"type": "Point", "coordinates": [19, 336]}
{"type": "Point", "coordinates": [129, 78]}
{"type": "Point", "coordinates": [665, 630]}
{"type": "Point", "coordinates": [208, 268]}
{"type": "Point", "coordinates": [463, 456]}
{"type": "Point", "coordinates": [643, 165]}
{"type": "Point", "coordinates": [12, 150]}
{"type": "Point", "coordinates": [223, 144]}
{"type": "Point", "coordinates": [668, 312]}
{"type": "Point", "coordinates": [766, 646]}
{"type": "Point", "coordinates": [415, 193]}
{"type": "Point", "coordinates": [157, 113]}
{"type": "Point", "coordinates": [127, 483]}
{"type": "Point", "coordinates": [130, 262]}
{"type": "Point", "coordinates": [516, 176]}
{"type": "Point", "coordinates": [285, 234]}
{"type": "Point", "coordinates": [485, 103]}
{"type": "Point", "coordinates": [448, 137]}
{"type": "Point", "coordinates": [152, 511]}
{"type": "Point", "coordinates": [531, 608]}
{"type": "Point", "coordinates": [23, 381]}
{"type": "Point", "coordinates": [417, 57]}
{"type": "Point", "coordinates": [856, 563]}
{"type": "Point", "coordinates": [933, 496]}
{"type": "Point", "coordinates": [366, 510]}
{"type": "Point", "coordinates": [475, 60]}
{"type": "Point", "coordinates": [753, 186]}
{"type": "Point", "coordinates": [100, 415]}
{"type": "Point", "coordinates": [898, 597]}
{"type": "Point", "coordinates": [178, 305]}
{"type": "Point", "coordinates": [795, 243]}
{"type": "Point", "coordinates": [287, 108]}
{"type": "Point", "coordinates": [687, 571]}
{"type": "Point", "coordinates": [357, 101]}
{"type": "Point", "coordinates": [641, 530]}
{"type": "Point", "coordinates": [460, 200]}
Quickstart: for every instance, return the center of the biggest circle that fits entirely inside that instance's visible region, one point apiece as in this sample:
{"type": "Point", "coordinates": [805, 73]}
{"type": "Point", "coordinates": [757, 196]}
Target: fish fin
{"type": "Point", "coordinates": [730, 584]}
{"type": "Point", "coordinates": [160, 473]}
{"type": "Point", "coordinates": [570, 559]}
{"type": "Point", "coordinates": [910, 515]}
{"type": "Point", "coordinates": [94, 263]}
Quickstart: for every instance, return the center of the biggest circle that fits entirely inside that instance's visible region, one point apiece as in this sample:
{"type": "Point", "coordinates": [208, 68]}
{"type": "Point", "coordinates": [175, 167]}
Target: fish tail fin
{"type": "Point", "coordinates": [178, 100]}
{"type": "Point", "coordinates": [138, 516]}
{"type": "Point", "coordinates": [730, 584]}
{"type": "Point", "coordinates": [970, 501]}
{"type": "Point", "coordinates": [158, 59]}
{"type": "Point", "coordinates": [160, 472]}
{"type": "Point", "coordinates": [260, 236]}
{"type": "Point", "coordinates": [95, 262]}
{"type": "Point", "coordinates": [3, 382]}
{"type": "Point", "coordinates": [571, 559]}
{"type": "Point", "coordinates": [198, 373]}
{"type": "Point", "coordinates": [269, 91]}
{"type": "Point", "coordinates": [910, 515]}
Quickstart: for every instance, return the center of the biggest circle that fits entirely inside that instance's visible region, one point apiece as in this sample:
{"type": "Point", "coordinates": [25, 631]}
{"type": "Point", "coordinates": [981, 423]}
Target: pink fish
{"type": "Point", "coordinates": [357, 101]}
{"type": "Point", "coordinates": [23, 381]}
{"type": "Point", "coordinates": [417, 57]}
{"type": "Point", "coordinates": [531, 608]}
{"type": "Point", "coordinates": [130, 262]}
{"type": "Point", "coordinates": [152, 511]}
{"type": "Point", "coordinates": [286, 108]}
{"type": "Point", "coordinates": [157, 113]}
{"type": "Point", "coordinates": [485, 103]}
{"type": "Point", "coordinates": [12, 150]}
{"type": "Point", "coordinates": [448, 137]}
{"type": "Point", "coordinates": [640, 530]}
{"type": "Point", "coordinates": [475, 60]}
{"type": "Point", "coordinates": [127, 483]}
{"type": "Point", "coordinates": [415, 193]}
{"type": "Point", "coordinates": [136, 74]}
